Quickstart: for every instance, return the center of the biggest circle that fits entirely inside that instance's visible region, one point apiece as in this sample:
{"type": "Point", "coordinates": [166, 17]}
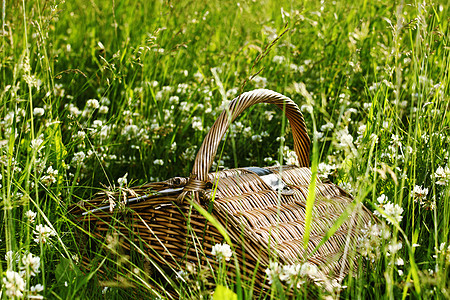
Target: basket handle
{"type": "Point", "coordinates": [207, 151]}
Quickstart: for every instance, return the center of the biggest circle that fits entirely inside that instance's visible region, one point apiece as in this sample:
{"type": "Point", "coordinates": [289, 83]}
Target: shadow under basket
{"type": "Point", "coordinates": [263, 210]}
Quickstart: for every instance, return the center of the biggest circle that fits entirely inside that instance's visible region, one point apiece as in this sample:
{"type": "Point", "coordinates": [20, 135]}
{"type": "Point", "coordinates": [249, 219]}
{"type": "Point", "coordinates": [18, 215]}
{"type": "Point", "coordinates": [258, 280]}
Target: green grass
{"type": "Point", "coordinates": [376, 74]}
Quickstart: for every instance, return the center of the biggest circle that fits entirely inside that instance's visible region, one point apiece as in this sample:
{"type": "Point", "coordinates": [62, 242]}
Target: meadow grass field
{"type": "Point", "coordinates": [109, 93]}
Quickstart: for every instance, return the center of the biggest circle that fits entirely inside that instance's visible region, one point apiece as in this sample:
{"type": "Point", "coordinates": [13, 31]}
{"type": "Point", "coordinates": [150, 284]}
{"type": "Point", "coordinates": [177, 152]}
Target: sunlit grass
{"type": "Point", "coordinates": [93, 90]}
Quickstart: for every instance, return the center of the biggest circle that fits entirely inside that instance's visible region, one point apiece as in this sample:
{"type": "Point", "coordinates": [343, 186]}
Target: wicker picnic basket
{"type": "Point", "coordinates": [262, 209]}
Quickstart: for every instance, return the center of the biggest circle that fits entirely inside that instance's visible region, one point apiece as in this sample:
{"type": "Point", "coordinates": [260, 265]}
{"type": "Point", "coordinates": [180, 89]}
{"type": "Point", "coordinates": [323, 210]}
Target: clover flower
{"type": "Point", "coordinates": [222, 251]}
{"type": "Point", "coordinates": [419, 193]}
{"type": "Point", "coordinates": [93, 103]}
{"type": "Point", "coordinates": [393, 248]}
{"type": "Point", "coordinates": [345, 139]}
{"type": "Point", "coordinates": [78, 157]}
{"type": "Point", "coordinates": [290, 157]}
{"type": "Point", "coordinates": [278, 59]}
{"type": "Point", "coordinates": [260, 82]}
{"type": "Point", "coordinates": [444, 251]}
{"type": "Point", "coordinates": [273, 271]}
{"type": "Point", "coordinates": [43, 233]}
{"type": "Point", "coordinates": [391, 211]}
{"type": "Point", "coordinates": [325, 170]}
{"type": "Point", "coordinates": [36, 143]}
{"type": "Point", "coordinates": [50, 177]}
{"type": "Point", "coordinates": [442, 175]}
{"type": "Point", "coordinates": [295, 274]}
{"type": "Point", "coordinates": [38, 111]}
{"type": "Point", "coordinates": [197, 124]}
{"type": "Point", "coordinates": [37, 288]}
{"type": "Point", "coordinates": [12, 257]}
{"type": "Point", "coordinates": [372, 236]}
{"type": "Point", "coordinates": [103, 109]}
{"type": "Point", "coordinates": [14, 284]}
{"type": "Point", "coordinates": [31, 264]}
{"type": "Point", "coordinates": [394, 211]}
{"type": "Point", "coordinates": [327, 126]}
{"type": "Point", "coordinates": [122, 181]}
{"type": "Point", "coordinates": [158, 162]}
{"type": "Point", "coordinates": [73, 110]}
{"type": "Point", "coordinates": [31, 215]}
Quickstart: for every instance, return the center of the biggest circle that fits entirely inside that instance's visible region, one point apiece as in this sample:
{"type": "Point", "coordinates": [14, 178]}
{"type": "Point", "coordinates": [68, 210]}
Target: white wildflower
{"type": "Point", "coordinates": [11, 257]}
{"type": "Point", "coordinates": [174, 99]}
{"type": "Point", "coordinates": [394, 248]}
{"type": "Point", "coordinates": [122, 181]}
{"type": "Point", "coordinates": [130, 131]}
{"type": "Point", "coordinates": [198, 76]}
{"type": "Point", "coordinates": [269, 114]}
{"type": "Point", "coordinates": [419, 193]}
{"type": "Point", "coordinates": [442, 175]}
{"type": "Point", "coordinates": [14, 284]}
{"type": "Point", "coordinates": [327, 126]}
{"type": "Point", "coordinates": [345, 139]}
{"type": "Point", "coordinates": [260, 82]}
{"type": "Point", "coordinates": [362, 129]}
{"type": "Point", "coordinates": [50, 177]}
{"type": "Point", "coordinates": [273, 271]}
{"type": "Point", "coordinates": [31, 264]}
{"type": "Point", "coordinates": [97, 123]}
{"type": "Point", "coordinates": [104, 132]}
{"type": "Point", "coordinates": [396, 140]}
{"type": "Point", "coordinates": [222, 251]}
{"type": "Point", "coordinates": [294, 68]}
{"type": "Point", "coordinates": [31, 215]}
{"type": "Point", "coordinates": [103, 109]}
{"type": "Point", "coordinates": [289, 273]}
{"type": "Point", "coordinates": [183, 275]}
{"type": "Point", "coordinates": [189, 153]}
{"type": "Point", "coordinates": [43, 233]}
{"type": "Point", "coordinates": [293, 274]}
{"type": "Point", "coordinates": [290, 157]}
{"type": "Point", "coordinates": [173, 147]}
{"type": "Point", "coordinates": [78, 157]}
{"type": "Point", "coordinates": [257, 138]}
{"type": "Point", "coordinates": [158, 162]}
{"type": "Point", "coordinates": [36, 144]}
{"type": "Point", "coordinates": [306, 107]}
{"type": "Point", "coordinates": [443, 251]}
{"type": "Point", "coordinates": [325, 170]}
{"type": "Point", "coordinates": [318, 135]}
{"type": "Point", "coordinates": [58, 90]}
{"type": "Point", "coordinates": [382, 199]}
{"type": "Point", "coordinates": [399, 261]}
{"type": "Point", "coordinates": [105, 101]}
{"type": "Point", "coordinates": [310, 270]}
{"type": "Point", "coordinates": [278, 59]}
{"type": "Point", "coordinates": [81, 134]}
{"type": "Point", "coordinates": [37, 288]}
{"type": "Point", "coordinates": [391, 211]}
{"type": "Point", "coordinates": [38, 111]}
{"type": "Point", "coordinates": [197, 123]}
{"type": "Point", "coordinates": [231, 93]}
{"type": "Point", "coordinates": [270, 32]}
{"type": "Point", "coordinates": [73, 110]}
{"type": "Point", "coordinates": [268, 159]}
{"type": "Point", "coordinates": [369, 243]}
{"type": "Point", "coordinates": [93, 103]}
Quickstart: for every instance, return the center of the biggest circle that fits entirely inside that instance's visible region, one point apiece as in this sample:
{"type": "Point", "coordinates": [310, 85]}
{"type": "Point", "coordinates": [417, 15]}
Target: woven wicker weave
{"type": "Point", "coordinates": [263, 222]}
